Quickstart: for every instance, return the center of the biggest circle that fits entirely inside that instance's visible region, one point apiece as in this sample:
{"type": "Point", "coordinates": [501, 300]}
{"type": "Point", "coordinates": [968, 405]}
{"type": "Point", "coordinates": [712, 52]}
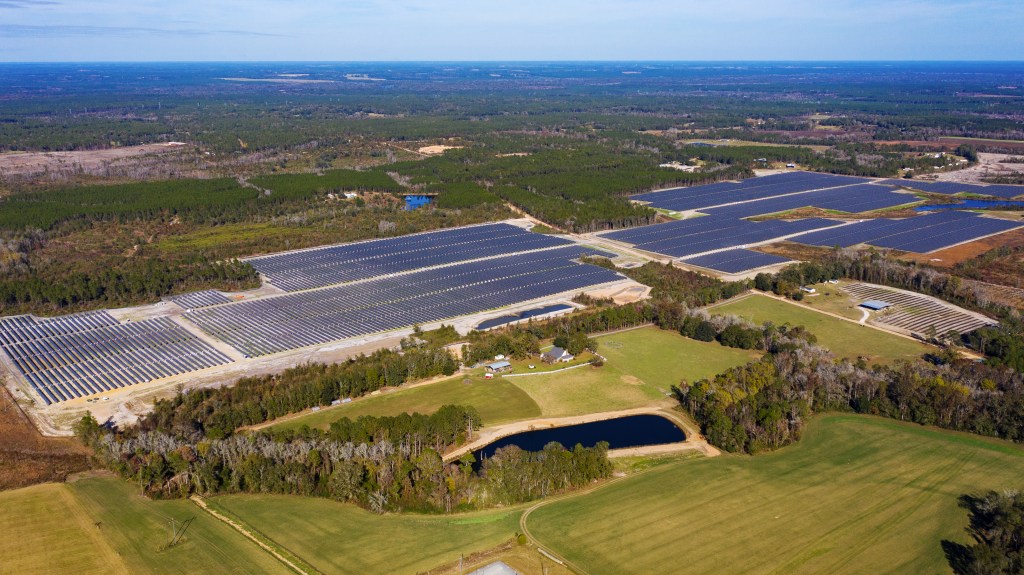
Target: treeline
{"type": "Point", "coordinates": [215, 201]}
{"type": "Point", "coordinates": [996, 526]}
{"type": "Point", "coordinates": [217, 412]}
{"type": "Point", "coordinates": [670, 282]}
{"type": "Point", "coordinates": [383, 464]}
{"type": "Point", "coordinates": [764, 405]}
{"type": "Point", "coordinates": [136, 280]}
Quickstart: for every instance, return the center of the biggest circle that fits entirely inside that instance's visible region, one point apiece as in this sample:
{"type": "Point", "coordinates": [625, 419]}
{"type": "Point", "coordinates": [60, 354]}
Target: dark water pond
{"type": "Point", "coordinates": [972, 205]}
{"type": "Point", "coordinates": [631, 431]}
{"type": "Point", "coordinates": [494, 322]}
{"type": "Point", "coordinates": [413, 202]}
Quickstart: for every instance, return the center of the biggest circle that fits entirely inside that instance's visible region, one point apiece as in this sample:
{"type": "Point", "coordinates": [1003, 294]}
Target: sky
{"type": "Point", "coordinates": [478, 30]}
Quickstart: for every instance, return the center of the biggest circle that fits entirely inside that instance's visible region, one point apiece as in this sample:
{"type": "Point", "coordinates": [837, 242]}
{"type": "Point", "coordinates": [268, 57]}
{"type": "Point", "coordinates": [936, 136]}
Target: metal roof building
{"type": "Point", "coordinates": [875, 304]}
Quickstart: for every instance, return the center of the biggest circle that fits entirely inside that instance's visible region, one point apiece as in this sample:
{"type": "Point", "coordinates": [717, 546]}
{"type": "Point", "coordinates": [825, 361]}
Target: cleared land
{"type": "Point", "coordinates": [843, 338]}
{"type": "Point", "coordinates": [643, 364]}
{"type": "Point", "coordinates": [26, 457]}
{"type": "Point", "coordinates": [340, 538]}
{"type": "Point", "coordinates": [857, 495]}
{"type": "Point", "coordinates": [497, 400]}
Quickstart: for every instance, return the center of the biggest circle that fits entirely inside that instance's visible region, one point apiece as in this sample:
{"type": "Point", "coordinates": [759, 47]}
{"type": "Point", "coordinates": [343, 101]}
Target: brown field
{"type": "Point", "coordinates": [794, 251]}
{"type": "Point", "coordinates": [26, 457]}
{"type": "Point", "coordinates": [949, 257]}
{"type": "Point", "coordinates": [106, 162]}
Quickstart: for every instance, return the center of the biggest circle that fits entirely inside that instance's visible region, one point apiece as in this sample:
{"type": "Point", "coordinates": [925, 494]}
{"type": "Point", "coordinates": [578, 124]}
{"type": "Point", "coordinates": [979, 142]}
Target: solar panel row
{"type": "Point", "coordinates": [695, 236]}
{"type": "Point", "coordinates": [308, 269]}
{"type": "Point", "coordinates": [25, 328]}
{"type": "Point", "coordinates": [62, 366]}
{"type": "Point", "coordinates": [950, 188]}
{"type": "Point", "coordinates": [851, 199]}
{"type": "Point", "coordinates": [920, 234]}
{"type": "Point", "coordinates": [736, 261]}
{"type": "Point", "coordinates": [297, 320]}
{"type": "Point", "coordinates": [196, 300]}
{"type": "Point", "coordinates": [751, 189]}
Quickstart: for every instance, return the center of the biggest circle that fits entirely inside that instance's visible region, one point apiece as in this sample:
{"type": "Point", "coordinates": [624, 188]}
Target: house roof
{"type": "Point", "coordinates": [555, 352]}
{"type": "Point", "coordinates": [499, 365]}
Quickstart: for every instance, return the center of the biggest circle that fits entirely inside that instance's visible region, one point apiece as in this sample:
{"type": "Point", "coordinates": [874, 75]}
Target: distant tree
{"type": "Point", "coordinates": [705, 331]}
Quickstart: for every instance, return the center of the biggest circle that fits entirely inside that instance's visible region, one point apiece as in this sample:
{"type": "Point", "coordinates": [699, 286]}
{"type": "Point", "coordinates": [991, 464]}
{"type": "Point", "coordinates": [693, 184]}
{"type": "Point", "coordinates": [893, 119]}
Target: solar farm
{"type": "Point", "coordinates": [86, 354]}
{"type": "Point", "coordinates": [336, 293]}
{"type": "Point", "coordinates": [917, 314]}
{"type": "Point", "coordinates": [719, 232]}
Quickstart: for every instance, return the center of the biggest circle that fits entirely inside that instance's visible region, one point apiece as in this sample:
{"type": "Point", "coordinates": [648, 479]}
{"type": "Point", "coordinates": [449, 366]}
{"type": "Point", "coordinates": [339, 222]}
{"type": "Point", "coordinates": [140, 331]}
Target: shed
{"type": "Point", "coordinates": [499, 367]}
{"type": "Point", "coordinates": [876, 304]}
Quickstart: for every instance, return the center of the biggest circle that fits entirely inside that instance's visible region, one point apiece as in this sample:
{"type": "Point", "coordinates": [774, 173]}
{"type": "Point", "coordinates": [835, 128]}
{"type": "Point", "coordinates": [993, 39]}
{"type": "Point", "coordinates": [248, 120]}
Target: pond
{"type": "Point", "coordinates": [972, 205]}
{"type": "Point", "coordinates": [414, 202]}
{"type": "Point", "coordinates": [631, 431]}
{"type": "Point", "coordinates": [495, 322]}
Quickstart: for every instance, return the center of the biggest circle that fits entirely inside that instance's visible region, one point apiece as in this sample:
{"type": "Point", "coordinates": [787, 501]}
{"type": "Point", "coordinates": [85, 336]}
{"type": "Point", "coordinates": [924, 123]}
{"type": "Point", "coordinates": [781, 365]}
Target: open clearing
{"type": "Point", "coordinates": [497, 400]}
{"type": "Point", "coordinates": [843, 338]}
{"type": "Point", "coordinates": [340, 538]}
{"type": "Point", "coordinates": [643, 365]}
{"type": "Point", "coordinates": [857, 495]}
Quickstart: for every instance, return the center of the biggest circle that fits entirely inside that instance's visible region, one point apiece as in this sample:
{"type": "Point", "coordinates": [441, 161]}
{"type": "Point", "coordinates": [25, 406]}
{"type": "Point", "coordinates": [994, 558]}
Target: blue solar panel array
{"type": "Point", "coordinates": [852, 199]}
{"type": "Point", "coordinates": [199, 299]}
{"type": "Point", "coordinates": [752, 189]}
{"type": "Point", "coordinates": [85, 354]}
{"type": "Point", "coordinates": [736, 261]}
{"type": "Point", "coordinates": [921, 234]}
{"type": "Point", "coordinates": [308, 269]}
{"type": "Point", "coordinates": [291, 321]}
{"type": "Point", "coordinates": [695, 236]}
{"type": "Point", "coordinates": [950, 188]}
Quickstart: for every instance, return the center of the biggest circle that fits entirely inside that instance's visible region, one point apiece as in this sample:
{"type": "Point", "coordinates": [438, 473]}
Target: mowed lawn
{"type": "Point", "coordinates": [643, 365]}
{"type": "Point", "coordinates": [843, 338]}
{"type": "Point", "coordinates": [102, 525]}
{"type": "Point", "coordinates": [341, 538]}
{"type": "Point", "coordinates": [497, 400]}
{"type": "Point", "coordinates": [44, 530]}
{"type": "Point", "coordinates": [857, 495]}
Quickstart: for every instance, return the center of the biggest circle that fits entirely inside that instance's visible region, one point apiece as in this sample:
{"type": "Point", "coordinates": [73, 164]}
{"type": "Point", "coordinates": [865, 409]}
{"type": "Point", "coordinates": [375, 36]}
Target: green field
{"type": "Point", "coordinates": [857, 495]}
{"type": "Point", "coordinates": [340, 538]}
{"type": "Point", "coordinates": [102, 525]}
{"type": "Point", "coordinates": [844, 338]}
{"type": "Point", "coordinates": [643, 364]}
{"type": "Point", "coordinates": [497, 400]}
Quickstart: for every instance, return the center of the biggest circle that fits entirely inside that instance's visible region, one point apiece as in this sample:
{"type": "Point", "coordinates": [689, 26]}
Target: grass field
{"type": "Point", "coordinates": [46, 531]}
{"type": "Point", "coordinates": [497, 400]}
{"type": "Point", "coordinates": [857, 495]}
{"type": "Point", "coordinates": [101, 525]}
{"type": "Point", "coordinates": [643, 364]}
{"type": "Point", "coordinates": [340, 538]}
{"type": "Point", "coordinates": [844, 338]}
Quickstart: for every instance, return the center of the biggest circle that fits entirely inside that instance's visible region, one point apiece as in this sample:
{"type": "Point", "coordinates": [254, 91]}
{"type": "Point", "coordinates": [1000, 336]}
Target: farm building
{"type": "Point", "coordinates": [556, 355]}
{"type": "Point", "coordinates": [499, 367]}
{"type": "Point", "coordinates": [875, 304]}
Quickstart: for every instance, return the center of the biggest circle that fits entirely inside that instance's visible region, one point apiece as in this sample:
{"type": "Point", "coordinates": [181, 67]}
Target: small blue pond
{"type": "Point", "coordinates": [495, 322]}
{"type": "Point", "coordinates": [414, 202]}
{"type": "Point", "coordinates": [973, 205]}
{"type": "Point", "coordinates": [632, 431]}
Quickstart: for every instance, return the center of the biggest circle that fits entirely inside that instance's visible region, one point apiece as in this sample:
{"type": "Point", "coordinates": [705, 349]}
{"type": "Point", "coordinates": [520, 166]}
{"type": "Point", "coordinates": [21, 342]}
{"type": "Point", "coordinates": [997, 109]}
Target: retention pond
{"type": "Point", "coordinates": [622, 432]}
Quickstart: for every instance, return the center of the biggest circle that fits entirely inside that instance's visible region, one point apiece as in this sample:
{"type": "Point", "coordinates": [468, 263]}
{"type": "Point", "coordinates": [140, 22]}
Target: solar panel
{"type": "Point", "coordinates": [736, 261]}
{"type": "Point", "coordinates": [950, 188]}
{"type": "Point", "coordinates": [195, 300]}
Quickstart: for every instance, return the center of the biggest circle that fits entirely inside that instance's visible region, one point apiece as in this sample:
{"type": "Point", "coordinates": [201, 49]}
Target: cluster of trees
{"type": "Point", "coordinates": [381, 463]}
{"type": "Point", "coordinates": [515, 476]}
{"type": "Point", "coordinates": [217, 412]}
{"type": "Point", "coordinates": [669, 282]}
{"type": "Point", "coordinates": [764, 405]}
{"type": "Point", "coordinates": [136, 280]}
{"type": "Point", "coordinates": [996, 525]}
